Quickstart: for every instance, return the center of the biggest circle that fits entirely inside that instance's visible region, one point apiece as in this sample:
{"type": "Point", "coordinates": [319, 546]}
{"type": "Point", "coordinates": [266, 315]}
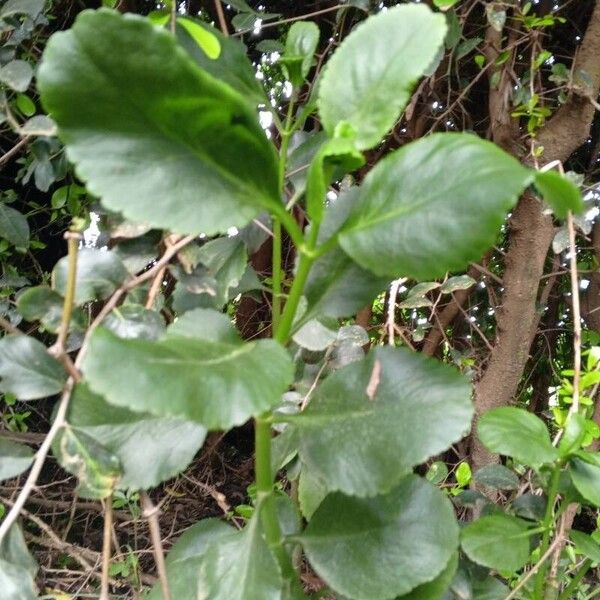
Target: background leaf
{"type": "Point", "coordinates": [17, 568]}
{"type": "Point", "coordinates": [367, 82]}
{"type": "Point", "coordinates": [13, 226]}
{"type": "Point", "coordinates": [517, 433]}
{"type": "Point", "coordinates": [14, 458]}
{"type": "Point", "coordinates": [499, 542]}
{"type": "Point", "coordinates": [27, 370]}
{"type": "Point", "coordinates": [560, 193]}
{"type": "Point", "coordinates": [99, 274]}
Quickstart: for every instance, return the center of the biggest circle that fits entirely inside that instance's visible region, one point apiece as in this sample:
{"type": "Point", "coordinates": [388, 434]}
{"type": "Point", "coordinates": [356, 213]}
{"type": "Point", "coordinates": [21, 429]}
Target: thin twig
{"type": "Point", "coordinates": [576, 313]}
{"type": "Point", "coordinates": [533, 570]}
{"type": "Point", "coordinates": [106, 548]}
{"type": "Point", "coordinates": [391, 316]}
{"type": "Point", "coordinates": [221, 16]}
{"type": "Point", "coordinates": [9, 327]}
{"type": "Point", "coordinates": [14, 150]}
{"type": "Point", "coordinates": [150, 512]}
{"type": "Point", "coordinates": [173, 16]}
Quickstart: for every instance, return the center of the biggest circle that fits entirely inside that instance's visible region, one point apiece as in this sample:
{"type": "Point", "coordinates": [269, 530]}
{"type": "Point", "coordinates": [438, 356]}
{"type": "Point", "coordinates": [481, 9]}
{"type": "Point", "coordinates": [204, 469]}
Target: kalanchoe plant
{"type": "Point", "coordinates": [162, 127]}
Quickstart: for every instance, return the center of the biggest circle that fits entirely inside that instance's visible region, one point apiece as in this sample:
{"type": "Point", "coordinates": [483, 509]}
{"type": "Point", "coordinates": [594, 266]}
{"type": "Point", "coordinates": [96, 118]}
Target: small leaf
{"type": "Point", "coordinates": [381, 547]}
{"type": "Point", "coordinates": [13, 226]}
{"type": "Point", "coordinates": [40, 303]}
{"type": "Point", "coordinates": [437, 472]}
{"type": "Point", "coordinates": [202, 36]}
{"type": "Point", "coordinates": [149, 449]}
{"type": "Point", "coordinates": [99, 274]}
{"type": "Point", "coordinates": [467, 47]}
{"type": "Point", "coordinates": [456, 189]}
{"type": "Point", "coordinates": [97, 469]}
{"type": "Point", "coordinates": [497, 477]}
{"type": "Point", "coordinates": [496, 16]}
{"type": "Point", "coordinates": [530, 506]}
{"type": "Point", "coordinates": [560, 193]}
{"type": "Point", "coordinates": [517, 433]}
{"type": "Point", "coordinates": [459, 282]}
{"type": "Point", "coordinates": [185, 558]}
{"type": "Point", "coordinates": [301, 43]}
{"type": "Point", "coordinates": [17, 567]}
{"type": "Point", "coordinates": [445, 4]}
{"type": "Point", "coordinates": [39, 125]}
{"type": "Point", "coordinates": [414, 301]}
{"type": "Point", "coordinates": [27, 370]}
{"type": "Point", "coordinates": [463, 474]}
{"type": "Point", "coordinates": [574, 434]}
{"type": "Point", "coordinates": [14, 459]}
{"type": "Point", "coordinates": [311, 492]}
{"type": "Point", "coordinates": [499, 542]}
{"type": "Point", "coordinates": [585, 473]}
{"type": "Point", "coordinates": [437, 588]}
{"type": "Point", "coordinates": [31, 8]}
{"type": "Point", "coordinates": [315, 336]}
{"type": "Point", "coordinates": [240, 567]}
{"type": "Point", "coordinates": [17, 75]}
{"type": "Point", "coordinates": [133, 321]}
{"type": "Point", "coordinates": [369, 79]}
{"type": "Point", "coordinates": [414, 395]}
{"type": "Point", "coordinates": [26, 105]}
{"type": "Point", "coordinates": [269, 46]}
{"type": "Point", "coordinates": [216, 383]}
{"type": "Point", "coordinates": [586, 545]}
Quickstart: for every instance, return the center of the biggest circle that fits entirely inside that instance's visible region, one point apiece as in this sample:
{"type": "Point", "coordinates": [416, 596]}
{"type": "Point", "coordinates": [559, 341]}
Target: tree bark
{"type": "Point", "coordinates": [531, 233]}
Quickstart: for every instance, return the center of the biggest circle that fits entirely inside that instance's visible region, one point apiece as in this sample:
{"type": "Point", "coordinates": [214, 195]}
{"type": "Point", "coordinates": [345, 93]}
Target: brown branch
{"type": "Point", "coordinates": [151, 514]}
{"type": "Point", "coordinates": [531, 234]}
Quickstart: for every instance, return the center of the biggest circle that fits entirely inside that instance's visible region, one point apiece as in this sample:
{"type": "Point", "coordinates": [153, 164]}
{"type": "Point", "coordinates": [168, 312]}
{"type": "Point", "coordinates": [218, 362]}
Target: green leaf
{"type": "Point", "coordinates": [311, 492]}
{"type": "Point", "coordinates": [207, 40]}
{"type": "Point", "coordinates": [133, 321]}
{"type": "Point", "coordinates": [586, 545]}
{"type": "Point", "coordinates": [497, 477]}
{"type": "Point", "coordinates": [585, 474]}
{"type": "Point", "coordinates": [191, 133]}
{"type": "Point", "coordinates": [499, 542]}
{"type": "Point", "coordinates": [17, 75]}
{"type": "Point", "coordinates": [445, 4]}
{"type": "Point", "coordinates": [315, 336]}
{"type": "Point", "coordinates": [232, 66]}
{"type": "Point", "coordinates": [574, 434]}
{"type": "Point", "coordinates": [454, 193]}
{"type": "Point", "coordinates": [368, 81]}
{"type": "Point", "coordinates": [409, 407]}
{"type": "Point", "coordinates": [240, 567]}
{"type": "Point", "coordinates": [216, 383]}
{"type": "Point", "coordinates": [99, 274]}
{"type": "Point", "coordinates": [463, 474]}
{"type": "Point", "coordinates": [22, 7]}
{"type": "Point", "coordinates": [150, 449]}
{"type": "Point", "coordinates": [97, 469]}
{"type": "Point", "coordinates": [560, 193]}
{"type": "Point", "coordinates": [382, 547]}
{"type": "Point", "coordinates": [336, 285]}
{"type": "Point", "coordinates": [467, 46]}
{"type": "Point", "coordinates": [517, 433]}
{"type": "Point", "coordinates": [530, 506]}
{"type": "Point", "coordinates": [301, 43]}
{"type": "Point", "coordinates": [26, 105]}
{"type": "Point", "coordinates": [40, 303]}
{"type": "Point", "coordinates": [27, 370]}
{"type": "Point", "coordinates": [459, 282]}
{"type": "Point", "coordinates": [17, 568]}
{"type": "Point", "coordinates": [14, 459]}
{"type": "Point", "coordinates": [437, 588]}
{"type": "Point", "coordinates": [185, 558]}
{"type": "Point", "coordinates": [13, 226]}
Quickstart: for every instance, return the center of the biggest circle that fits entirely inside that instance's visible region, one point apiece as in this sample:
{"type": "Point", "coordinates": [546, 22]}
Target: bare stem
{"type": "Point", "coordinates": [151, 514]}
{"type": "Point", "coordinates": [221, 17]}
{"type": "Point", "coordinates": [106, 548]}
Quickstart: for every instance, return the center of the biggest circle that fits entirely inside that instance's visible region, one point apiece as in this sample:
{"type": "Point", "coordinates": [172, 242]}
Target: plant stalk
{"type": "Point", "coordinates": [547, 525]}
{"type": "Point", "coordinates": [566, 593]}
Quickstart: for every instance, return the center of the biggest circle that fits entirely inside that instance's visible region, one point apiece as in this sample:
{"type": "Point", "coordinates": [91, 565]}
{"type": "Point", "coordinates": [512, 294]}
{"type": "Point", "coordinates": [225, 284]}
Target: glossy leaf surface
{"type": "Point", "coordinates": [433, 206]}
{"type": "Point", "coordinates": [367, 82]}
{"type": "Point", "coordinates": [517, 433]}
{"type": "Point", "coordinates": [27, 370]}
{"type": "Point", "coordinates": [216, 383]}
{"type": "Point", "coordinates": [150, 449]}
{"type": "Point", "coordinates": [408, 407]}
{"type": "Point", "coordinates": [183, 152]}
{"type": "Point", "coordinates": [377, 548]}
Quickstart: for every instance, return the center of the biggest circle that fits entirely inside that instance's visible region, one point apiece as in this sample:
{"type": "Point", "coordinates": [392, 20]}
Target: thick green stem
{"type": "Point", "coordinates": [572, 587]}
{"type": "Point", "coordinates": [547, 525]}
{"type": "Point", "coordinates": [266, 497]}
{"type": "Point", "coordinates": [276, 275]}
